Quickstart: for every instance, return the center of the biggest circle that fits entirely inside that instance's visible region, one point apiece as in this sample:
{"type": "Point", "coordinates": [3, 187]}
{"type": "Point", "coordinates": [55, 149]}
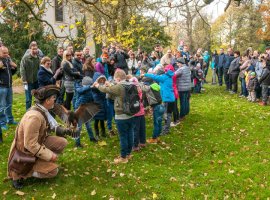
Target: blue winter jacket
{"type": "Point", "coordinates": [221, 60]}
{"type": "Point", "coordinates": [45, 77]}
{"type": "Point", "coordinates": [84, 94]}
{"type": "Point", "coordinates": [166, 85]}
{"type": "Point", "coordinates": [100, 98]}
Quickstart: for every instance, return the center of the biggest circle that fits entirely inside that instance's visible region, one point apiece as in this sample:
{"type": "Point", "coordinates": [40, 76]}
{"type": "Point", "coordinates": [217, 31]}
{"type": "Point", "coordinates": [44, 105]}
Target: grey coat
{"type": "Point", "coordinates": [183, 80]}
{"type": "Point", "coordinates": [235, 66]}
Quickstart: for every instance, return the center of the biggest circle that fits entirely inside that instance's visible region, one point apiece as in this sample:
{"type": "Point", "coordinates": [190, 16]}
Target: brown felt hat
{"type": "Point", "coordinates": [45, 92]}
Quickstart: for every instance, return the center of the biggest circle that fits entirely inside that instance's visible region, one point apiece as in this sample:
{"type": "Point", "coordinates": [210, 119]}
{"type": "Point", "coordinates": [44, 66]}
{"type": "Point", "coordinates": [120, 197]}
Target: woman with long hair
{"type": "Point", "coordinates": [89, 67]}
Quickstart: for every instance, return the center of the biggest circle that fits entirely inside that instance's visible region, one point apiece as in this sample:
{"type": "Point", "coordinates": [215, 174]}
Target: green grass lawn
{"type": "Point", "coordinates": [221, 151]}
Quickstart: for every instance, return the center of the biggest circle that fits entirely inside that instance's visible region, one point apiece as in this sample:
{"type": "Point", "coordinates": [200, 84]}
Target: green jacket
{"type": "Point", "coordinates": [29, 68]}
{"type": "Point", "coordinates": [118, 92]}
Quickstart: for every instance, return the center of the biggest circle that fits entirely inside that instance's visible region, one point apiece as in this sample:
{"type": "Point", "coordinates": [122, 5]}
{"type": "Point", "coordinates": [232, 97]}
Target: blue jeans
{"type": "Point", "coordinates": [158, 112]}
{"type": "Point", "coordinates": [139, 130]}
{"type": "Point", "coordinates": [244, 87]}
{"type": "Point", "coordinates": [6, 97]}
{"type": "Point", "coordinates": [110, 113]}
{"type": "Point", "coordinates": [89, 131]}
{"type": "Point", "coordinates": [28, 95]}
{"type": "Point", "coordinates": [125, 129]}
{"type": "Point", "coordinates": [184, 103]}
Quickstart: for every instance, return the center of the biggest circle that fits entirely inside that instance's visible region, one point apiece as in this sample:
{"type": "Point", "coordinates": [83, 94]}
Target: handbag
{"type": "Point", "coordinates": [20, 162]}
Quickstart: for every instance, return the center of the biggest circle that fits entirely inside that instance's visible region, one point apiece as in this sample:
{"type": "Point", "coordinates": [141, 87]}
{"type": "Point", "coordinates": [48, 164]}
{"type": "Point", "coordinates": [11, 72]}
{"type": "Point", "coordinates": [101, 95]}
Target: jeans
{"type": "Point", "coordinates": [168, 117]}
{"type": "Point", "coordinates": [198, 87]}
{"type": "Point", "coordinates": [125, 129]}
{"type": "Point", "coordinates": [220, 75]}
{"type": "Point", "coordinates": [214, 76]}
{"type": "Point", "coordinates": [184, 103]}
{"type": "Point", "coordinates": [110, 113]}
{"type": "Point", "coordinates": [226, 78]}
{"type": "Point", "coordinates": [6, 97]}
{"type": "Point", "coordinates": [243, 87]}
{"type": "Point", "coordinates": [139, 130]}
{"type": "Point", "coordinates": [158, 111]}
{"type": "Point", "coordinates": [28, 95]}
{"type": "Point", "coordinates": [89, 131]}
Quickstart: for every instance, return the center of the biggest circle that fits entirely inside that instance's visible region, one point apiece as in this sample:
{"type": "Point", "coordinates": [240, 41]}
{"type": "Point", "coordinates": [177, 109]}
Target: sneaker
{"type": "Point", "coordinates": [120, 160]}
{"type": "Point", "coordinates": [17, 184]}
{"type": "Point", "coordinates": [136, 149]}
{"type": "Point", "coordinates": [13, 123]}
{"type": "Point", "coordinates": [232, 92]}
{"type": "Point", "coordinates": [173, 124]}
{"type": "Point", "coordinates": [79, 146]}
{"type": "Point", "coordinates": [4, 127]}
{"type": "Point", "coordinates": [262, 103]}
{"type": "Point", "coordinates": [152, 141]}
{"type": "Point", "coordinates": [142, 145]}
{"type": "Point", "coordinates": [164, 133]}
{"type": "Point", "coordinates": [93, 140]}
{"type": "Point", "coordinates": [129, 156]}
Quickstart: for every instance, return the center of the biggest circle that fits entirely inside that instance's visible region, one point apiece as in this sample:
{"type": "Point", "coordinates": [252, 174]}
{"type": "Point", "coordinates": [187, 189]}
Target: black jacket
{"type": "Point", "coordinates": [56, 63]}
{"type": "Point", "coordinates": [121, 62]}
{"type": "Point", "coordinates": [45, 77]}
{"type": "Point", "coordinates": [70, 74]}
{"type": "Point", "coordinates": [6, 73]}
{"type": "Point", "coordinates": [77, 64]}
{"type": "Point", "coordinates": [265, 78]}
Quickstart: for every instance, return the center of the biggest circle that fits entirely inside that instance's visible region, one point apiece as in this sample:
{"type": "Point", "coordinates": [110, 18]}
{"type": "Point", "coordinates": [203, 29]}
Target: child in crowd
{"type": "Point", "coordinates": [251, 86]}
{"type": "Point", "coordinates": [167, 93]}
{"type": "Point", "coordinates": [198, 77]}
{"type": "Point", "coordinates": [124, 122]}
{"type": "Point", "coordinates": [84, 95]}
{"type": "Point", "coordinates": [100, 98]}
{"type": "Point", "coordinates": [154, 100]}
{"type": "Point", "coordinates": [139, 120]}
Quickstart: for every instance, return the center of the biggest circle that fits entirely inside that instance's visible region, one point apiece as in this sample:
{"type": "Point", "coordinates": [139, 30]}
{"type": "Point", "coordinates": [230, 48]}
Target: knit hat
{"type": "Point", "coordinates": [45, 92]}
{"type": "Point", "coordinates": [87, 80]}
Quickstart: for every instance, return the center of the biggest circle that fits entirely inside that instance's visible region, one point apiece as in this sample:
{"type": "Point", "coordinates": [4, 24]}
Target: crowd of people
{"type": "Point", "coordinates": [251, 69]}
{"type": "Point", "coordinates": [127, 85]}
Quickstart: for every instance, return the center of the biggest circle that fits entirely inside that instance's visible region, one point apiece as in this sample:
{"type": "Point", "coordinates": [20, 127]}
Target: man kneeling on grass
{"type": "Point", "coordinates": [123, 121]}
{"type": "Point", "coordinates": [33, 152]}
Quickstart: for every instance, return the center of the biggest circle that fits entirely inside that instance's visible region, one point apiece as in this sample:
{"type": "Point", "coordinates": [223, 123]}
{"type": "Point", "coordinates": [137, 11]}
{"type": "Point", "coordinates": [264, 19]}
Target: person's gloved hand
{"type": "Point", "coordinates": [62, 132]}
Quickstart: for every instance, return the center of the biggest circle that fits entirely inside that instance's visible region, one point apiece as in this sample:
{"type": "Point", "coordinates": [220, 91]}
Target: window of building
{"type": "Point", "coordinates": [59, 10]}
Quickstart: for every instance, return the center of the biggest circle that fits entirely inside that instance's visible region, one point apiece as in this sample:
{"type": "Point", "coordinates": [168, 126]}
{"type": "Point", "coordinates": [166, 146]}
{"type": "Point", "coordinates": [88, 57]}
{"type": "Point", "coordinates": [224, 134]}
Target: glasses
{"type": "Point", "coordinates": [68, 55]}
{"type": "Point", "coordinates": [79, 55]}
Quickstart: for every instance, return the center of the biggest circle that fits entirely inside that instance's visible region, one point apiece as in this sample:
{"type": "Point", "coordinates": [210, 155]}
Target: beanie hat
{"type": "Point", "coordinates": [87, 80]}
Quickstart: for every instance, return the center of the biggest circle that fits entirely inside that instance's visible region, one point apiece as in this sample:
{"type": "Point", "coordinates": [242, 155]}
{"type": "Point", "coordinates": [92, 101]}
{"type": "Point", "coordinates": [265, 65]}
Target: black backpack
{"type": "Point", "coordinates": [157, 95]}
{"type": "Point", "coordinates": [131, 100]}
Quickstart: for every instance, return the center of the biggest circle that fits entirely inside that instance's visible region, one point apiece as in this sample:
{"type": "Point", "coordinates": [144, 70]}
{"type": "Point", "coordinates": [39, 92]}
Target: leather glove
{"type": "Point", "coordinates": [62, 132]}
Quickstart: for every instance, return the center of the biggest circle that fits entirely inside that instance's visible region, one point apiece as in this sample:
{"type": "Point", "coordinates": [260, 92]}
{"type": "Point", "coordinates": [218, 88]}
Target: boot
{"type": "Point", "coordinates": [1, 136]}
{"type": "Point", "coordinates": [17, 184]}
{"type": "Point", "coordinates": [103, 133]}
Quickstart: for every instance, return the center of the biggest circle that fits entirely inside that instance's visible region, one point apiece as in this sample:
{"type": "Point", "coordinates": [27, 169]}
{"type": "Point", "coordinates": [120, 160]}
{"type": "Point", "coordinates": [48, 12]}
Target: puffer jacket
{"type": "Point", "coordinates": [175, 90]}
{"type": "Point", "coordinates": [100, 98]}
{"type": "Point", "coordinates": [84, 94]}
{"type": "Point", "coordinates": [183, 75]}
{"type": "Point", "coordinates": [166, 83]}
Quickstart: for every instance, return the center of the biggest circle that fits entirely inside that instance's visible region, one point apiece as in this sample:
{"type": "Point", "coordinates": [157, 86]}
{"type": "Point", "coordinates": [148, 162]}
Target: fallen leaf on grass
{"type": "Point", "coordinates": [122, 174]}
{"type": "Point", "coordinates": [86, 173]}
{"type": "Point", "coordinates": [173, 179]}
{"type": "Point", "coordinates": [93, 192]}
{"type": "Point", "coordinates": [5, 192]}
{"type": "Point", "coordinates": [154, 195]}
{"type": "Point", "coordinates": [53, 196]}
{"type": "Point", "coordinates": [102, 143]}
{"type": "Point", "coordinates": [20, 193]}
{"type": "Point", "coordinates": [231, 171]}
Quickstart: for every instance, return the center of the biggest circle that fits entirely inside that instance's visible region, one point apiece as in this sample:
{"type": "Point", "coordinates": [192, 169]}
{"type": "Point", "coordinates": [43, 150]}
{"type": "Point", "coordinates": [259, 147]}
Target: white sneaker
{"type": "Point", "coordinates": [173, 124]}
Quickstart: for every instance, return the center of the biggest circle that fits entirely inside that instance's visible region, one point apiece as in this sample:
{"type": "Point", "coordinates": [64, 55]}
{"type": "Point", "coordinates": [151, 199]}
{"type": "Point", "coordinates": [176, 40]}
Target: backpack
{"type": "Point", "coordinates": [131, 100]}
{"type": "Point", "coordinates": [157, 95]}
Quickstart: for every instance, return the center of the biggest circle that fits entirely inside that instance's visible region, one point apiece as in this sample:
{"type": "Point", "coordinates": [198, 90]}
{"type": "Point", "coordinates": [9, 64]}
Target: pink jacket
{"type": "Point", "coordinates": [175, 90]}
{"type": "Point", "coordinates": [136, 82]}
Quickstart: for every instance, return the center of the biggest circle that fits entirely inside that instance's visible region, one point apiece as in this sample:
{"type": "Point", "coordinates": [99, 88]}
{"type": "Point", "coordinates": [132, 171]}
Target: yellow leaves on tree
{"type": "Point", "coordinates": [264, 32]}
